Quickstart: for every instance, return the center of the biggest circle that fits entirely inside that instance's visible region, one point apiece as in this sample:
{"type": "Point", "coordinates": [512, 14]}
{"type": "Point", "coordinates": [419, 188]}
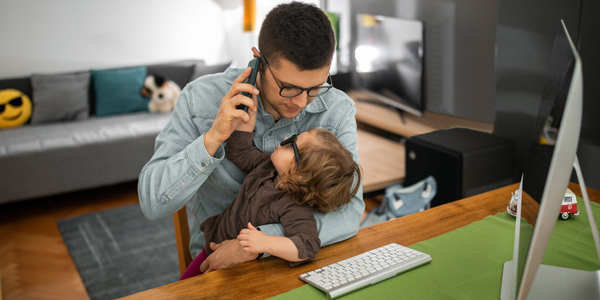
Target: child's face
{"type": "Point", "coordinates": [283, 156]}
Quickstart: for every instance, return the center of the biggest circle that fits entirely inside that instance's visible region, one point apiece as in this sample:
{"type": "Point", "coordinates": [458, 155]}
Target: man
{"type": "Point", "coordinates": [189, 164]}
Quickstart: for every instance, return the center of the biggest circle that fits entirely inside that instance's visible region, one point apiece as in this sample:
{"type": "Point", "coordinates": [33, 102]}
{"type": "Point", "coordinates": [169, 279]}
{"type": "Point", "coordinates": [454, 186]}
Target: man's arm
{"type": "Point", "coordinates": [179, 166]}
{"type": "Point", "coordinates": [184, 156]}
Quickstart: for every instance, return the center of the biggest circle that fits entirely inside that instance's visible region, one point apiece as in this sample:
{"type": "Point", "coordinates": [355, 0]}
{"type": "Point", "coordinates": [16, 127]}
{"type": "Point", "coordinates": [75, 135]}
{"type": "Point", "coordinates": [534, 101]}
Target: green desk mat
{"type": "Point", "coordinates": [467, 262]}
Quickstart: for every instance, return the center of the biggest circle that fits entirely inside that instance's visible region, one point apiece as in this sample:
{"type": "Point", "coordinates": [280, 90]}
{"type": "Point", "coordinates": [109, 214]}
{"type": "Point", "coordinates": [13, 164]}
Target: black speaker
{"type": "Point", "coordinates": [464, 162]}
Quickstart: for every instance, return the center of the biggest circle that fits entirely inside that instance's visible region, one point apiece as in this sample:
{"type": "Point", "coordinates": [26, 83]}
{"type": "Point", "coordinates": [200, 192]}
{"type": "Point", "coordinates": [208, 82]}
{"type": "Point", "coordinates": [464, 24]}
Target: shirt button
{"type": "Point", "coordinates": [203, 164]}
{"type": "Point", "coordinates": [271, 133]}
{"type": "Point", "coordinates": [182, 184]}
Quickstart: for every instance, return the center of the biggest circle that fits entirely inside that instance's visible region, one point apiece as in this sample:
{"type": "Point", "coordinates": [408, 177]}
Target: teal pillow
{"type": "Point", "coordinates": [119, 91]}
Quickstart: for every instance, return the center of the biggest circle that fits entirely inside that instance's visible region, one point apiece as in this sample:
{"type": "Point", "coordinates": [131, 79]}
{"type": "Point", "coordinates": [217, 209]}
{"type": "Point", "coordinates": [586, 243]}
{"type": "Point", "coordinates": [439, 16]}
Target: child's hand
{"type": "Point", "coordinates": [253, 240]}
{"type": "Point", "coordinates": [249, 126]}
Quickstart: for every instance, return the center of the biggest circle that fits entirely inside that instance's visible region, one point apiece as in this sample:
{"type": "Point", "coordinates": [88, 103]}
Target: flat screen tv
{"type": "Point", "coordinates": [389, 61]}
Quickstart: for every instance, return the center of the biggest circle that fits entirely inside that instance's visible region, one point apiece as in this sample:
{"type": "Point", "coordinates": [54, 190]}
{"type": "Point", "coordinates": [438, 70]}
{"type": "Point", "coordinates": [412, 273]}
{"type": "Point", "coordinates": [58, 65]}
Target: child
{"type": "Point", "coordinates": [307, 172]}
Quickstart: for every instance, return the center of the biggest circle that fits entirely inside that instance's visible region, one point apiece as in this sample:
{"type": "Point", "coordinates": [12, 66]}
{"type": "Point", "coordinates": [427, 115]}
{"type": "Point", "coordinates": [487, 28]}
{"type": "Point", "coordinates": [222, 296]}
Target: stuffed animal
{"type": "Point", "coordinates": [163, 93]}
{"type": "Point", "coordinates": [15, 108]}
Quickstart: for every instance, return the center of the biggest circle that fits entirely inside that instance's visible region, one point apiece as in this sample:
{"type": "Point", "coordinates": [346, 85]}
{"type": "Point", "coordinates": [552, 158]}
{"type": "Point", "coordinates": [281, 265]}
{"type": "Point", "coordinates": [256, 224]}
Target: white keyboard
{"type": "Point", "coordinates": [364, 269]}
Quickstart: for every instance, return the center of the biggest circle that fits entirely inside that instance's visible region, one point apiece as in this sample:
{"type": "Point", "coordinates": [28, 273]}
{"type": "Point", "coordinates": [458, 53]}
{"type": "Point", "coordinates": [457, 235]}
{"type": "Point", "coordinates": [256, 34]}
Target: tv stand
{"type": "Point", "coordinates": [388, 119]}
{"type": "Point", "coordinates": [375, 102]}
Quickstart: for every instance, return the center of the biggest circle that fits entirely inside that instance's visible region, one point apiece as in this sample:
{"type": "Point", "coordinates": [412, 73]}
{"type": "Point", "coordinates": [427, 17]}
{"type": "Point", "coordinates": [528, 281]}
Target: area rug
{"type": "Point", "coordinates": [118, 252]}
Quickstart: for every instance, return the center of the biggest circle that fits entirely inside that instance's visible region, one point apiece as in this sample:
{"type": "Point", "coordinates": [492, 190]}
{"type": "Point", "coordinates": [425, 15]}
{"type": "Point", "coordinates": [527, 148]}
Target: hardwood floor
{"type": "Point", "coordinates": [34, 260]}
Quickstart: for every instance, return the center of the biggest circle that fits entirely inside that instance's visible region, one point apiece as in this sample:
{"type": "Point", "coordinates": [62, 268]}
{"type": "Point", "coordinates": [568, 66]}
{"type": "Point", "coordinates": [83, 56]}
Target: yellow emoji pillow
{"type": "Point", "coordinates": [15, 108]}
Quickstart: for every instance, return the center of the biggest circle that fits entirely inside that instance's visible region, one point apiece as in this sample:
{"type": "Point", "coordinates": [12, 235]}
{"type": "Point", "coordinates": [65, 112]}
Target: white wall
{"type": "Point", "coordinates": [38, 36]}
{"type": "Point", "coordinates": [53, 36]}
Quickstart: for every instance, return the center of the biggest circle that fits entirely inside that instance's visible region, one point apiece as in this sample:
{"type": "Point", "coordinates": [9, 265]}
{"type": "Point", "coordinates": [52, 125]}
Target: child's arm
{"type": "Point", "coordinates": [254, 241]}
{"type": "Point", "coordinates": [239, 149]}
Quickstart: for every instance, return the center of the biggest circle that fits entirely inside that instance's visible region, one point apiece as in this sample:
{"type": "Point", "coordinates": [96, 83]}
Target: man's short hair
{"type": "Point", "coordinates": [300, 33]}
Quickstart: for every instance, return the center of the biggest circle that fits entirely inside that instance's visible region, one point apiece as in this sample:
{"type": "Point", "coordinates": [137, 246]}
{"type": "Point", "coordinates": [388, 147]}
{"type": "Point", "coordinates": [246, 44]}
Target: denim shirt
{"type": "Point", "coordinates": [181, 170]}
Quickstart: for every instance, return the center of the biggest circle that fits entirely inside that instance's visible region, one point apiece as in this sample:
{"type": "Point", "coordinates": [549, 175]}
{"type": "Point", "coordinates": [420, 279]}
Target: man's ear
{"type": "Point", "coordinates": [255, 52]}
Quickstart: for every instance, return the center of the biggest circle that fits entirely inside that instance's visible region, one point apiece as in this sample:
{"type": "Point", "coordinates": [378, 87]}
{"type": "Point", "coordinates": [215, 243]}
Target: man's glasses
{"type": "Point", "coordinates": [293, 91]}
{"type": "Point", "coordinates": [292, 140]}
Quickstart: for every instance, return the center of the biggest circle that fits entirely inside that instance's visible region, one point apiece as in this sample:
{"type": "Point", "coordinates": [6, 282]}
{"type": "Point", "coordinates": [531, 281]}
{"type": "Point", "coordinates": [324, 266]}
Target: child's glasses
{"type": "Point", "coordinates": [292, 140]}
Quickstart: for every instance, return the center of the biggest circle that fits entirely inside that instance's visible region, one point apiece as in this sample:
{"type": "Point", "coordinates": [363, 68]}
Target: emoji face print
{"type": "Point", "coordinates": [15, 108]}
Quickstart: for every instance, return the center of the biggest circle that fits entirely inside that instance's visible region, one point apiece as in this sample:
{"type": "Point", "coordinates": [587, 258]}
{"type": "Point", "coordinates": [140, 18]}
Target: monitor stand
{"type": "Point", "coordinates": [556, 282]}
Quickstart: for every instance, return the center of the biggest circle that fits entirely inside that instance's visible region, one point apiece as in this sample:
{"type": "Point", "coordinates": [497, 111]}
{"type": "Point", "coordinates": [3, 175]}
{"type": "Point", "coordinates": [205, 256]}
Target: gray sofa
{"type": "Point", "coordinates": [38, 160]}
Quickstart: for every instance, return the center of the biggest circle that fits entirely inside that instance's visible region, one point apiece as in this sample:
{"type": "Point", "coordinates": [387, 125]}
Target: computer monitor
{"type": "Point", "coordinates": [545, 179]}
{"type": "Point", "coordinates": [389, 61]}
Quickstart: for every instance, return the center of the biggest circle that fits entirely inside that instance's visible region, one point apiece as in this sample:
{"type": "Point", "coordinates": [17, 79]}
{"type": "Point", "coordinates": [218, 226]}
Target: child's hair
{"type": "Point", "coordinates": [324, 177]}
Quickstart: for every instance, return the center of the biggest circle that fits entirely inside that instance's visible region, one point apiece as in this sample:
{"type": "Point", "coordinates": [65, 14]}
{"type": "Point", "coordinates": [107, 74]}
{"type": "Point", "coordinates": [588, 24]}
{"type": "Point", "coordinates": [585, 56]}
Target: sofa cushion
{"type": "Point", "coordinates": [202, 70]}
{"type": "Point", "coordinates": [43, 137]}
{"type": "Point", "coordinates": [15, 108]}
{"type": "Point", "coordinates": [178, 72]}
{"type": "Point", "coordinates": [22, 84]}
{"type": "Point", "coordinates": [61, 97]}
{"type": "Point", "coordinates": [118, 91]}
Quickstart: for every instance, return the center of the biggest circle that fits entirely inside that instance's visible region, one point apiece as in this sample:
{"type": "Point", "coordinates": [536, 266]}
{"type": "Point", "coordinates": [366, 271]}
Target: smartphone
{"type": "Point", "coordinates": [254, 64]}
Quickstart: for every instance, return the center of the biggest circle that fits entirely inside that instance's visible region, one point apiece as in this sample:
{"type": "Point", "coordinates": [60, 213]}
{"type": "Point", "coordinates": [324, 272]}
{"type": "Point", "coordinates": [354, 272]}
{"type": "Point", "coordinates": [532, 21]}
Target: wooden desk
{"type": "Point", "coordinates": [389, 120]}
{"type": "Point", "coordinates": [269, 277]}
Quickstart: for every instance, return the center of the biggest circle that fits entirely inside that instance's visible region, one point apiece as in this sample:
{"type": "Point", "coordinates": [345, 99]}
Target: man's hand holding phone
{"type": "Point", "coordinates": [249, 126]}
{"type": "Point", "coordinates": [254, 64]}
{"type": "Point", "coordinates": [229, 117]}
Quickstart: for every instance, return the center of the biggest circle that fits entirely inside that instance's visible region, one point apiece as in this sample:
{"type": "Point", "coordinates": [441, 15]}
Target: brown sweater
{"type": "Point", "coordinates": [260, 203]}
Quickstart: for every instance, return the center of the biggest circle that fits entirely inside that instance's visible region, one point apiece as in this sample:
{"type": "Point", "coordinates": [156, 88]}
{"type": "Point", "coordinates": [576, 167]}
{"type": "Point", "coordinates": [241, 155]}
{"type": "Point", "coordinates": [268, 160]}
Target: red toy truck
{"type": "Point", "coordinates": [568, 208]}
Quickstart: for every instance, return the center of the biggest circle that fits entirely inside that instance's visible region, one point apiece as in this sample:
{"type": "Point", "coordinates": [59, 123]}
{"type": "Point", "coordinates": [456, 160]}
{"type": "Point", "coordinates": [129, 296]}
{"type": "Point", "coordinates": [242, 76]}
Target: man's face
{"type": "Point", "coordinates": [287, 74]}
